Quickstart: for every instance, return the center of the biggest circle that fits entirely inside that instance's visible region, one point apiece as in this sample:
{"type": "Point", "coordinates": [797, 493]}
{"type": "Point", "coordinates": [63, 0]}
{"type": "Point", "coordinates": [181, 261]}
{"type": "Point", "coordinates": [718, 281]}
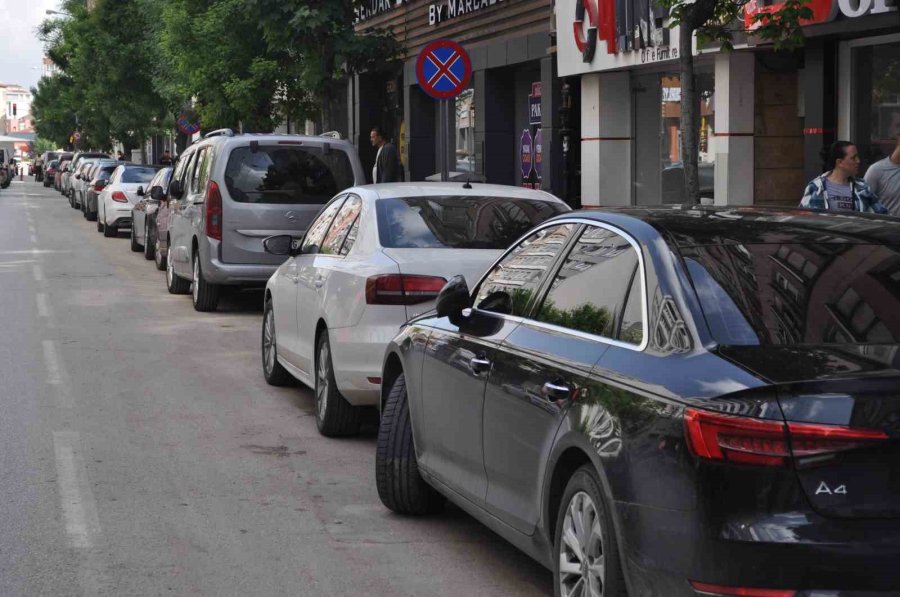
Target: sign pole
{"type": "Point", "coordinates": [445, 141]}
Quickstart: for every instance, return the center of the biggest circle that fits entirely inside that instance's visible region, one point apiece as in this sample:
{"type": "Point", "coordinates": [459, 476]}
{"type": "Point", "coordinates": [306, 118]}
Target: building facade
{"type": "Point", "coordinates": [765, 116]}
{"type": "Point", "coordinates": [15, 117]}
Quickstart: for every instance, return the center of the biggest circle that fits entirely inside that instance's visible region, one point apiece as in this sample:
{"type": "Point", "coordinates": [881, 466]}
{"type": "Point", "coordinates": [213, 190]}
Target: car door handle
{"type": "Point", "coordinates": [479, 365]}
{"type": "Point", "coordinates": [556, 391]}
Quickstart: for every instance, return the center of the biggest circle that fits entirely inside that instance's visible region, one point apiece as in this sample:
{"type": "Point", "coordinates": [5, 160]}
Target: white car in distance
{"type": "Point", "coordinates": [125, 188]}
{"type": "Point", "coordinates": [373, 258]}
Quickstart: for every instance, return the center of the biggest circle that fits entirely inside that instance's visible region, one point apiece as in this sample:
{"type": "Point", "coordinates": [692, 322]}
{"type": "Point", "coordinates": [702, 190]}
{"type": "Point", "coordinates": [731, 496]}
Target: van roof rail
{"type": "Point", "coordinates": [219, 133]}
{"type": "Point", "coordinates": [332, 135]}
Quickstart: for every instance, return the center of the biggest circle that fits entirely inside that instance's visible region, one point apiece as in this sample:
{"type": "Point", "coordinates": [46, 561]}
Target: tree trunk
{"type": "Point", "coordinates": [690, 133]}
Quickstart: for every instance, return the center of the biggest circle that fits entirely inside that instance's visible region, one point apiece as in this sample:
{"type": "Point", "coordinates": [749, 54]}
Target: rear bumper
{"type": "Point", "coordinates": [239, 274]}
{"type": "Point", "coordinates": [119, 217]}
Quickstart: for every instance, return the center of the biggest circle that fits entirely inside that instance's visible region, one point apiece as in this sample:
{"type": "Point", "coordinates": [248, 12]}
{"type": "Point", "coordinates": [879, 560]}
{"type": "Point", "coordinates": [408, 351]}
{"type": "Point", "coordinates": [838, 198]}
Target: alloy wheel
{"type": "Point", "coordinates": [582, 564]}
{"type": "Point", "coordinates": [322, 376]}
{"type": "Point", "coordinates": [170, 272]}
{"type": "Point", "coordinates": [195, 287]}
{"type": "Point", "coordinates": [157, 253]}
{"type": "Point", "coordinates": [269, 341]}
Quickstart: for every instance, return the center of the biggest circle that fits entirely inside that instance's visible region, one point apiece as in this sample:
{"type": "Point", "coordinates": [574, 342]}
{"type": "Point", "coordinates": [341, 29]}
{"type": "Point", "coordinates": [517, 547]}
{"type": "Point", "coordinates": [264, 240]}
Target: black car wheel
{"type": "Point", "coordinates": [275, 374]}
{"type": "Point", "coordinates": [335, 416]}
{"type": "Point", "coordinates": [135, 247]}
{"type": "Point", "coordinates": [205, 295]}
{"type": "Point", "coordinates": [175, 284]}
{"type": "Point", "coordinates": [400, 486]}
{"type": "Point", "coordinates": [586, 553]}
{"type": "Point", "coordinates": [149, 242]}
{"type": "Point", "coordinates": [110, 231]}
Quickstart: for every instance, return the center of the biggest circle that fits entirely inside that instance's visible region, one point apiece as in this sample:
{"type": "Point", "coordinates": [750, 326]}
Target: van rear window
{"type": "Point", "coordinates": [282, 174]}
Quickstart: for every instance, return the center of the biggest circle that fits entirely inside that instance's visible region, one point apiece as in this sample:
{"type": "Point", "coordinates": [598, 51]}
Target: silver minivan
{"type": "Point", "coordinates": [230, 191]}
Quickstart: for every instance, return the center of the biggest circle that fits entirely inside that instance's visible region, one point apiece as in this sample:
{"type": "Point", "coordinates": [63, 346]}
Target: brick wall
{"type": "Point", "coordinates": [778, 139]}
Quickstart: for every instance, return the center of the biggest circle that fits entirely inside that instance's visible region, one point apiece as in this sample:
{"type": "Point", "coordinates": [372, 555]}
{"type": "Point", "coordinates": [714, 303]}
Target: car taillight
{"type": "Point", "coordinates": [707, 589]}
{"type": "Point", "coordinates": [98, 186]}
{"type": "Point", "coordinates": [119, 196]}
{"type": "Point", "coordinates": [715, 436]}
{"type": "Point", "coordinates": [400, 289]}
{"type": "Point", "coordinates": [213, 211]}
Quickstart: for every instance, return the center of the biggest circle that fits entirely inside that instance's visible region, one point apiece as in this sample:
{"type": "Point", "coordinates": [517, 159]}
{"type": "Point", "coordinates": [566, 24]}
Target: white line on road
{"type": "Point", "coordinates": [43, 305]}
{"type": "Point", "coordinates": [32, 252]}
{"type": "Point", "coordinates": [31, 229]}
{"type": "Point", "coordinates": [38, 272]}
{"type": "Point", "coordinates": [34, 239]}
{"type": "Point", "coordinates": [78, 505]}
{"type": "Point", "coordinates": [57, 376]}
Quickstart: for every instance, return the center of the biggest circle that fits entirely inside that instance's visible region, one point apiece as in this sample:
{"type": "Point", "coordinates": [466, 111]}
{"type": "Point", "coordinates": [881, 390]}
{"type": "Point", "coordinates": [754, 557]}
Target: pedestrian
{"type": "Point", "coordinates": [121, 157]}
{"type": "Point", "coordinates": [883, 177]}
{"type": "Point", "coordinates": [166, 159]}
{"type": "Point", "coordinates": [839, 189]}
{"type": "Point", "coordinates": [387, 160]}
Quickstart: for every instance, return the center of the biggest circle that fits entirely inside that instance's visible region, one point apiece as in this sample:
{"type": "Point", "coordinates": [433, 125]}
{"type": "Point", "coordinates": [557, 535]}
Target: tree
{"type": "Point", "coordinates": [717, 21]}
{"type": "Point", "coordinates": [316, 46]}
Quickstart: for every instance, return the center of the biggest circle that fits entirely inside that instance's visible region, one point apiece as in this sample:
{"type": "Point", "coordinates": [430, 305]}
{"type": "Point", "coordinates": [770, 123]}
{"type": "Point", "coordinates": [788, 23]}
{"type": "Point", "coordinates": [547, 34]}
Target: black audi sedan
{"type": "Point", "coordinates": [670, 402]}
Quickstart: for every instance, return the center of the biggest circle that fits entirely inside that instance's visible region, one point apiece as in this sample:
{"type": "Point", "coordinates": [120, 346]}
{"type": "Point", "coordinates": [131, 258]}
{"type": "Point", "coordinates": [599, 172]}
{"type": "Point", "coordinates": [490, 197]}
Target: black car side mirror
{"type": "Point", "coordinates": [281, 244]}
{"type": "Point", "coordinates": [156, 193]}
{"type": "Point", "coordinates": [140, 191]}
{"type": "Point", "coordinates": [453, 298]}
{"type": "Point", "coordinates": [175, 189]}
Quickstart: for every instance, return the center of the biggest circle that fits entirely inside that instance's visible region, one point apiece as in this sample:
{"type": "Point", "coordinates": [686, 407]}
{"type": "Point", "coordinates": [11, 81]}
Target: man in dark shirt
{"type": "Point", "coordinates": [387, 160]}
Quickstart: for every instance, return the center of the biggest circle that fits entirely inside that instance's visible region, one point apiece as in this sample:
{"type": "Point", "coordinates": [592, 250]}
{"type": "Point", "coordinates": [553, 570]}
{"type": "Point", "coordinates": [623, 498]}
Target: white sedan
{"type": "Point", "coordinates": [125, 188]}
{"type": "Point", "coordinates": [373, 258]}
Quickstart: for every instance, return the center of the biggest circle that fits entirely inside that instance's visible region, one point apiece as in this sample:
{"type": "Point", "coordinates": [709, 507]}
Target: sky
{"type": "Point", "coordinates": [20, 49]}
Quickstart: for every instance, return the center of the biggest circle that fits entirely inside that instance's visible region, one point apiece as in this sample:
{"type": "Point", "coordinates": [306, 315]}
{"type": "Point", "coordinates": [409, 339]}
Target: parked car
{"type": "Point", "coordinates": [60, 174]}
{"type": "Point", "coordinates": [50, 171]}
{"type": "Point", "coordinates": [232, 191]}
{"type": "Point", "coordinates": [80, 182]}
{"type": "Point", "coordinates": [42, 162]}
{"type": "Point", "coordinates": [375, 257]}
{"type": "Point", "coordinates": [68, 189]}
{"type": "Point", "coordinates": [160, 224]}
{"type": "Point", "coordinates": [143, 214]}
{"type": "Point", "coordinates": [679, 402]}
{"type": "Point", "coordinates": [124, 189]}
{"type": "Point", "coordinates": [98, 178]}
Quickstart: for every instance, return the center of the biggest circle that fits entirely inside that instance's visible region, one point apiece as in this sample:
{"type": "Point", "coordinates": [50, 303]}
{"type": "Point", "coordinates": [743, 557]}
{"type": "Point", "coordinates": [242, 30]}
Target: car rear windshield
{"type": "Point", "coordinates": [53, 164]}
{"type": "Point", "coordinates": [138, 174]}
{"type": "Point", "coordinates": [105, 172]}
{"type": "Point", "coordinates": [459, 222]}
{"type": "Point", "coordinates": [287, 174]}
{"type": "Point", "coordinates": [794, 294]}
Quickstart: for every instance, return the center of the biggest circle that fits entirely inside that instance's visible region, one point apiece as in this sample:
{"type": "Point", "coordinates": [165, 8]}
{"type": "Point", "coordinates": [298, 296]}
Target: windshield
{"type": "Point", "coordinates": [790, 294]}
{"type": "Point", "coordinates": [138, 174]}
{"type": "Point", "coordinates": [459, 222]}
{"type": "Point", "coordinates": [287, 174]}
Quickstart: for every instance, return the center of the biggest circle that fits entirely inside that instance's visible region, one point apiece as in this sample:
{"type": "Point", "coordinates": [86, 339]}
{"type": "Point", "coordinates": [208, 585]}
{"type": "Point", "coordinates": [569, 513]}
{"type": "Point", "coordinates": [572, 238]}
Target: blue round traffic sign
{"type": "Point", "coordinates": [443, 69]}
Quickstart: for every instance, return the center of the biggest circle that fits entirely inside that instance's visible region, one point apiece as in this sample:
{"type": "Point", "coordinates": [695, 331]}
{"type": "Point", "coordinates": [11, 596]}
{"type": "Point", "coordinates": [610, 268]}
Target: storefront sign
{"type": "Point", "coordinates": [373, 8]}
{"type": "Point", "coordinates": [534, 104]}
{"type": "Point", "coordinates": [525, 154]}
{"type": "Point", "coordinates": [539, 154]}
{"type": "Point", "coordinates": [450, 9]}
{"type": "Point", "coordinates": [823, 11]}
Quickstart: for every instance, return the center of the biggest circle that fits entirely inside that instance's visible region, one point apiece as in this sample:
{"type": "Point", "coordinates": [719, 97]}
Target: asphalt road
{"type": "Point", "coordinates": [142, 453]}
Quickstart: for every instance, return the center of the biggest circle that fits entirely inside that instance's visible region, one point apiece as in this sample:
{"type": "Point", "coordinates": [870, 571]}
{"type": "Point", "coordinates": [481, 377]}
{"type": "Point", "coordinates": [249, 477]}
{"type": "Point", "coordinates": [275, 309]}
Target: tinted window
{"type": "Point", "coordinates": [135, 174]}
{"type": "Point", "coordinates": [182, 168]}
{"type": "Point", "coordinates": [345, 220]}
{"type": "Point", "coordinates": [632, 328]}
{"type": "Point", "coordinates": [105, 172]}
{"type": "Point", "coordinates": [286, 174]}
{"type": "Point", "coordinates": [512, 283]}
{"type": "Point", "coordinates": [320, 225]}
{"type": "Point", "coordinates": [459, 222]}
{"type": "Point", "coordinates": [199, 170]}
{"type": "Point", "coordinates": [801, 293]}
{"type": "Point", "coordinates": [351, 238]}
{"type": "Point", "coordinates": [589, 291]}
{"type": "Point", "coordinates": [54, 164]}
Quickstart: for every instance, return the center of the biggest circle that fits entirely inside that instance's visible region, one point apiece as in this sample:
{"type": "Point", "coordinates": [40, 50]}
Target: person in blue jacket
{"type": "Point", "coordinates": [839, 189]}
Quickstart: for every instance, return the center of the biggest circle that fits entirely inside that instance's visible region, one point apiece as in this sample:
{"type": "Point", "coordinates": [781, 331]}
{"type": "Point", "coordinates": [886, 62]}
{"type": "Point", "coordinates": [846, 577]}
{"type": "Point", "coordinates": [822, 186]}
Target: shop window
{"type": "Point", "coordinates": [465, 131]}
{"type": "Point", "coordinates": [876, 93]}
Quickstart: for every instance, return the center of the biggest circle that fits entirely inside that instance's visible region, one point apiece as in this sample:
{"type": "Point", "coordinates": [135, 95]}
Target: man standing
{"type": "Point", "coordinates": [387, 161]}
{"type": "Point", "coordinates": [839, 189]}
{"type": "Point", "coordinates": [166, 159]}
{"type": "Point", "coordinates": [883, 177]}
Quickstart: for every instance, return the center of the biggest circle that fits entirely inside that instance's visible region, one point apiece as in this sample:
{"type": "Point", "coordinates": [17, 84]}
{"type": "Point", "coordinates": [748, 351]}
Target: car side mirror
{"type": "Point", "coordinates": [280, 244]}
{"type": "Point", "coordinates": [453, 299]}
{"type": "Point", "coordinates": [175, 189]}
{"type": "Point", "coordinates": [156, 193]}
{"type": "Point", "coordinates": [140, 191]}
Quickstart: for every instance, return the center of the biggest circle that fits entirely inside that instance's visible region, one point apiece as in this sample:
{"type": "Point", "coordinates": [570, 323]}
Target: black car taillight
{"type": "Point", "coordinates": [402, 289]}
{"type": "Point", "coordinates": [744, 440]}
{"type": "Point", "coordinates": [213, 211]}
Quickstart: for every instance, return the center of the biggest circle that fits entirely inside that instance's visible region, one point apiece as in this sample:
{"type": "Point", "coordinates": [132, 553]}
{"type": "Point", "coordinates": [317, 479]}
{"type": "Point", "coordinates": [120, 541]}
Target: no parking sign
{"type": "Point", "coordinates": [443, 69]}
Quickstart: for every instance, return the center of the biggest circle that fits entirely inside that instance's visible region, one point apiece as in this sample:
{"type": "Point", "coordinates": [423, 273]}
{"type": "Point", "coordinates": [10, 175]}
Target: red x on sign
{"type": "Point", "coordinates": [443, 69]}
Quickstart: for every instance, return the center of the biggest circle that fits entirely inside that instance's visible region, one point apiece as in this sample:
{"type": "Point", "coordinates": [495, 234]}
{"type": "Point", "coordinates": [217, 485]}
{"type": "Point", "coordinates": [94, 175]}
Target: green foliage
{"type": "Point", "coordinates": [586, 317]}
{"type": "Point", "coordinates": [42, 146]}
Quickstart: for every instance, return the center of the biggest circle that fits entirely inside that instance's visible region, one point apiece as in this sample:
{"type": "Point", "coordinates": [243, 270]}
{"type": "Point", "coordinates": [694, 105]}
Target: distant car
{"type": "Point", "coordinates": [81, 179]}
{"type": "Point", "coordinates": [42, 162]}
{"type": "Point", "coordinates": [124, 189]}
{"type": "Point", "coordinates": [375, 257]}
{"type": "Point", "coordinates": [230, 191]}
{"type": "Point", "coordinates": [99, 177]}
{"type": "Point", "coordinates": [666, 402]}
{"type": "Point", "coordinates": [50, 170]}
{"type": "Point", "coordinates": [161, 225]}
{"type": "Point", "coordinates": [79, 157]}
{"type": "Point", "coordinates": [143, 215]}
{"type": "Point", "coordinates": [64, 165]}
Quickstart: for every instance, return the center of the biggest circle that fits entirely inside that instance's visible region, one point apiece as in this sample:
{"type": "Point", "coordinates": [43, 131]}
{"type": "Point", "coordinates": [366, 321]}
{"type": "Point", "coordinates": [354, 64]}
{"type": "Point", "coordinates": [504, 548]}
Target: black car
{"type": "Point", "coordinates": [670, 402]}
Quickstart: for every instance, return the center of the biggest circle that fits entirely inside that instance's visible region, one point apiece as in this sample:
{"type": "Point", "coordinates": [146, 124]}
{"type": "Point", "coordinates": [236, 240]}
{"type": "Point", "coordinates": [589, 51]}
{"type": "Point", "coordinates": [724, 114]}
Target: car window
{"type": "Point", "coordinates": [287, 174]}
{"type": "Point", "coordinates": [351, 237]}
{"type": "Point", "coordinates": [320, 225]}
{"type": "Point", "coordinates": [343, 222]}
{"type": "Point", "coordinates": [511, 284]}
{"type": "Point", "coordinates": [138, 174]}
{"type": "Point", "coordinates": [197, 169]}
{"type": "Point", "coordinates": [182, 168]}
{"type": "Point", "coordinates": [106, 172]}
{"type": "Point", "coordinates": [459, 222]}
{"type": "Point", "coordinates": [590, 290]}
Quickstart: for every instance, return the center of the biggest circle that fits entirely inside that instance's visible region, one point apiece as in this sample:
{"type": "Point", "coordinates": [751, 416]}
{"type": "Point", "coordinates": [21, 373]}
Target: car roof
{"type": "Point", "coordinates": [685, 226]}
{"type": "Point", "coordinates": [443, 189]}
{"type": "Point", "coordinates": [240, 139]}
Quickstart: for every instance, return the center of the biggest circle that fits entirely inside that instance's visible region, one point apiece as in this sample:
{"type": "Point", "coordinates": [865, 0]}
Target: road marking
{"type": "Point", "coordinates": [34, 239]}
{"type": "Point", "coordinates": [43, 305]}
{"type": "Point", "coordinates": [78, 505]}
{"type": "Point", "coordinates": [38, 272]}
{"type": "Point", "coordinates": [51, 360]}
{"type": "Point", "coordinates": [32, 252]}
{"type": "Point", "coordinates": [31, 229]}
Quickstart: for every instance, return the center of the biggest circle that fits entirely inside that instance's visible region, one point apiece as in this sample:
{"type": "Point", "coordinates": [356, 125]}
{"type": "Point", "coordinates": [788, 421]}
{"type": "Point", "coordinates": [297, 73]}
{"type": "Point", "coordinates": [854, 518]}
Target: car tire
{"type": "Point", "coordinates": [335, 417]}
{"type": "Point", "coordinates": [91, 216]}
{"type": "Point", "coordinates": [593, 558]}
{"type": "Point", "coordinates": [110, 231]}
{"type": "Point", "coordinates": [99, 225]}
{"type": "Point", "coordinates": [158, 257]}
{"type": "Point", "coordinates": [400, 486]}
{"type": "Point", "coordinates": [149, 242]}
{"type": "Point", "coordinates": [205, 295]}
{"type": "Point", "coordinates": [273, 371]}
{"type": "Point", "coordinates": [175, 284]}
{"type": "Point", "coordinates": [135, 247]}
